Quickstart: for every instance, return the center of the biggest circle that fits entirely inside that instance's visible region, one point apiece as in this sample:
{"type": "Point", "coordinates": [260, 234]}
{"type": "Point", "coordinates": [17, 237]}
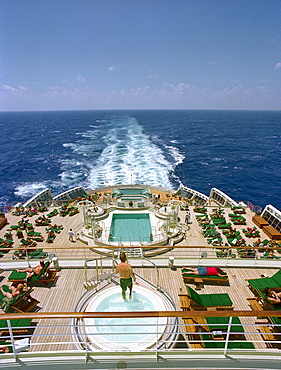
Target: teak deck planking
{"type": "Point", "coordinates": [64, 294]}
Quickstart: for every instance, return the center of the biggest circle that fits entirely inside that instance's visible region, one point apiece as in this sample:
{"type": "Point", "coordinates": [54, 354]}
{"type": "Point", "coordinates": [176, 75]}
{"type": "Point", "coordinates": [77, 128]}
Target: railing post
{"type": "Point", "coordinates": [12, 339]}
{"type": "Point", "coordinates": [97, 270]}
{"type": "Point", "coordinates": [256, 257]}
{"type": "Point", "coordinates": [227, 335]}
{"type": "Point", "coordinates": [227, 257]}
{"type": "Point", "coordinates": [157, 340]}
{"type": "Point", "coordinates": [199, 256]}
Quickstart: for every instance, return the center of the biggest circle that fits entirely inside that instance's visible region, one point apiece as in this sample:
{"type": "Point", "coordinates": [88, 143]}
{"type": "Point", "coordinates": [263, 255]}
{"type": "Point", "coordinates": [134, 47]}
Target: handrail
{"type": "Point", "coordinates": [136, 314]}
{"type": "Point", "coordinates": [62, 334]}
{"type": "Point", "coordinates": [156, 268]}
{"type": "Point", "coordinates": [53, 246]}
{"type": "Point", "coordinates": [96, 259]}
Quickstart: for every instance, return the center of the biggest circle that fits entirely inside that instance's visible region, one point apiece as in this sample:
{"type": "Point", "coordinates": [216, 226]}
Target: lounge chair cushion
{"type": "Point", "coordinates": [15, 323]}
{"type": "Point", "coordinates": [271, 282]}
{"type": "Point", "coordinates": [209, 300]}
{"type": "Point", "coordinates": [20, 276]}
{"type": "Point", "coordinates": [221, 344]}
{"type": "Point", "coordinates": [221, 323]}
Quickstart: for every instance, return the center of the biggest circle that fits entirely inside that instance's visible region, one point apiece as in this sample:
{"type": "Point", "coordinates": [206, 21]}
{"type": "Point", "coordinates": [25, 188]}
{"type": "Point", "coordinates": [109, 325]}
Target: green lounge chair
{"type": "Point", "coordinates": [20, 326]}
{"type": "Point", "coordinates": [224, 226]}
{"type": "Point", "coordinates": [33, 233]}
{"type": "Point", "coordinates": [220, 221]}
{"type": "Point", "coordinates": [257, 285]}
{"type": "Point", "coordinates": [233, 215]}
{"type": "Point", "coordinates": [276, 321]}
{"type": "Point", "coordinates": [22, 303]}
{"type": "Point", "coordinates": [191, 277]}
{"type": "Point", "coordinates": [202, 301]}
{"type": "Point", "coordinates": [50, 239]}
{"type": "Point", "coordinates": [231, 236]}
{"type": "Point", "coordinates": [209, 342]}
{"type": "Point", "coordinates": [14, 227]}
{"type": "Point", "coordinates": [54, 212]}
{"type": "Point", "coordinates": [221, 324]}
{"type": "Point", "coordinates": [210, 233]}
{"type": "Point", "coordinates": [45, 275]}
{"type": "Point", "coordinates": [208, 226]}
{"type": "Point", "coordinates": [239, 222]}
{"type": "Point", "coordinates": [200, 210]}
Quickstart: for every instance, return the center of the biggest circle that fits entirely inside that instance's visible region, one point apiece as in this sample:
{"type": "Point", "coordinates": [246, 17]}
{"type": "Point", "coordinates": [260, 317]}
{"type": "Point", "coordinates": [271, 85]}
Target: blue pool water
{"type": "Point", "coordinates": [132, 199]}
{"type": "Point", "coordinates": [117, 330]}
{"type": "Point", "coordinates": [131, 191]}
{"type": "Point", "coordinates": [130, 227]}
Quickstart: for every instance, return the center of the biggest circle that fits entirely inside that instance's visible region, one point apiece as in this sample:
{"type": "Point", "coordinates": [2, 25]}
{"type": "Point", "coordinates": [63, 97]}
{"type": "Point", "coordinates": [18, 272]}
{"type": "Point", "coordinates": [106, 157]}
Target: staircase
{"type": "Point", "coordinates": [133, 253]}
{"type": "Point", "coordinates": [93, 283]}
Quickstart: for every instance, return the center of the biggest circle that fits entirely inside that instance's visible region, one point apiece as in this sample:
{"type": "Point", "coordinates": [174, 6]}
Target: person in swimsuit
{"type": "Point", "coordinates": [272, 296]}
{"type": "Point", "coordinates": [205, 271]}
{"type": "Point", "coordinates": [33, 271]}
{"type": "Point", "coordinates": [127, 275]}
{"type": "Point", "coordinates": [14, 291]}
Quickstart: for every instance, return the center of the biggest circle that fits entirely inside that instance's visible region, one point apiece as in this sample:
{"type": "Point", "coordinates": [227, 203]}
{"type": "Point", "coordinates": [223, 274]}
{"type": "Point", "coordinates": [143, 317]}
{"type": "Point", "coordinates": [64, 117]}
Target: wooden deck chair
{"type": "Point", "coordinates": [45, 276]}
{"type": "Point", "coordinates": [259, 284]}
{"type": "Point", "coordinates": [194, 277]}
{"type": "Point", "coordinates": [202, 301]}
{"type": "Point", "coordinates": [22, 303]}
{"type": "Point", "coordinates": [19, 326]}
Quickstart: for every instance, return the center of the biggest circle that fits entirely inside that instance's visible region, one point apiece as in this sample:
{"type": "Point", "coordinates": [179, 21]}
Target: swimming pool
{"type": "Point", "coordinates": [131, 191]}
{"type": "Point", "coordinates": [125, 333]}
{"type": "Point", "coordinates": [130, 227]}
{"type": "Point", "coordinates": [132, 199]}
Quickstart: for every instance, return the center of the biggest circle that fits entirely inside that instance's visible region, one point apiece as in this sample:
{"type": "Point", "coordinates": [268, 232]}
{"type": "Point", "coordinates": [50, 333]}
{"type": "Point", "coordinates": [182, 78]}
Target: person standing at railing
{"type": "Point", "coordinates": [124, 269]}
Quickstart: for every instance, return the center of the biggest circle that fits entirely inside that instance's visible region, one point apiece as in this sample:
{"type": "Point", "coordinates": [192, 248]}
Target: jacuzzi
{"type": "Point", "coordinates": [125, 333]}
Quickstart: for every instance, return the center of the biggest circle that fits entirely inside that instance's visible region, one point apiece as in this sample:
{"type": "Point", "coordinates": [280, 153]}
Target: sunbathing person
{"type": "Point", "coordinates": [14, 291]}
{"type": "Point", "coordinates": [33, 271]}
{"type": "Point", "coordinates": [4, 349]}
{"type": "Point", "coordinates": [205, 271]}
{"type": "Point", "coordinates": [272, 296]}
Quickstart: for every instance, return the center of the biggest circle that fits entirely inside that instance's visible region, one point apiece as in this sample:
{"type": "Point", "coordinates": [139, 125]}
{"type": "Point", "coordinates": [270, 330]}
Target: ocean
{"type": "Point", "coordinates": [238, 152]}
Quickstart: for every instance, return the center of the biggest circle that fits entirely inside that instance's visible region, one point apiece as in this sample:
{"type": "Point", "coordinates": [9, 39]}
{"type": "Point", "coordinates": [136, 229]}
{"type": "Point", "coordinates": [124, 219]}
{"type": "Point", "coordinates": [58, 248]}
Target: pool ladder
{"type": "Point", "coordinates": [93, 283]}
{"type": "Point", "coordinates": [133, 252]}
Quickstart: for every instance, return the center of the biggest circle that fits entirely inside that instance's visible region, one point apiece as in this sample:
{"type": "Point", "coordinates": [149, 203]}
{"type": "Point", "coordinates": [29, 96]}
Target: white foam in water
{"type": "Point", "coordinates": [130, 156]}
{"type": "Point", "coordinates": [28, 190]}
{"type": "Point", "coordinates": [114, 152]}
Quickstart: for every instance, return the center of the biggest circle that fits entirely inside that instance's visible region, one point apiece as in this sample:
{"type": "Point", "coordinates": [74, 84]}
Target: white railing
{"type": "Point", "coordinates": [182, 254]}
{"type": "Point", "coordinates": [55, 333]}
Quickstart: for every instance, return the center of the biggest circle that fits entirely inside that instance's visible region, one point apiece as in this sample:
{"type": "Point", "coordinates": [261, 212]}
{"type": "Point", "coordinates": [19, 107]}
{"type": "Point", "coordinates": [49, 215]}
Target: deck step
{"type": "Point", "coordinates": [267, 335]}
{"type": "Point", "coordinates": [255, 305]}
{"type": "Point", "coordinates": [136, 252]}
{"type": "Point", "coordinates": [92, 283]}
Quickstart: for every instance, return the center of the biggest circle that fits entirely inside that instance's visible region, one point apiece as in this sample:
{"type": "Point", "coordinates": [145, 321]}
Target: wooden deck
{"type": "Point", "coordinates": [63, 248]}
{"type": "Point", "coordinates": [65, 292]}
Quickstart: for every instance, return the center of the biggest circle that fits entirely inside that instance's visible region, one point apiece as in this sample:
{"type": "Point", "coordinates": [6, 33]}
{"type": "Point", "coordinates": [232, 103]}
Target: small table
{"type": "Point", "coordinates": [198, 283]}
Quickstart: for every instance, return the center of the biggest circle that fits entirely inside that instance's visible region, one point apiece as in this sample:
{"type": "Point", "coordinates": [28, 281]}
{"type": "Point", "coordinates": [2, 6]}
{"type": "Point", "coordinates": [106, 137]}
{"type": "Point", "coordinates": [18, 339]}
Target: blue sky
{"type": "Point", "coordinates": [140, 54]}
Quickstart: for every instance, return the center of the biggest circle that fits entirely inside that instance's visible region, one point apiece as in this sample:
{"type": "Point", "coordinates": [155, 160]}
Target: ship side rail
{"type": "Point", "coordinates": [53, 337]}
{"type": "Point", "coordinates": [192, 255]}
